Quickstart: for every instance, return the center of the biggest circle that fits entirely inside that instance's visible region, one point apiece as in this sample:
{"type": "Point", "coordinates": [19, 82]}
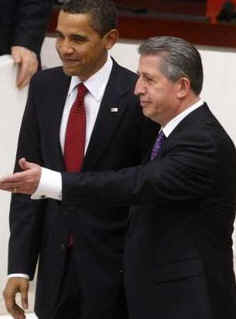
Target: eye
{"type": "Point", "coordinates": [78, 38]}
{"type": "Point", "coordinates": [59, 35]}
{"type": "Point", "coordinates": [148, 79]}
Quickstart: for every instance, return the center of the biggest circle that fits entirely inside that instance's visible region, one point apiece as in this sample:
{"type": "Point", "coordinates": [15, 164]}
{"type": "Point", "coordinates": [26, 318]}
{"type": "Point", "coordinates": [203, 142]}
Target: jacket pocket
{"type": "Point", "coordinates": [178, 270]}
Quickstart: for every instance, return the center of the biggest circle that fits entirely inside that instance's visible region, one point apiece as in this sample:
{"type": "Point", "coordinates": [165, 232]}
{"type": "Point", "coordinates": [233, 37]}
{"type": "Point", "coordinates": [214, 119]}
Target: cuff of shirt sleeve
{"type": "Point", "coordinates": [50, 185]}
{"type": "Point", "coordinates": [18, 275]}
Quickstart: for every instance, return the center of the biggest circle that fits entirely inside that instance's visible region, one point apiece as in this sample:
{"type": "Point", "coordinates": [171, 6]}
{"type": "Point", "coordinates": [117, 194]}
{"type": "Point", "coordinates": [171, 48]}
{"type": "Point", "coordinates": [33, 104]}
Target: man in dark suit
{"type": "Point", "coordinates": [23, 25]}
{"type": "Point", "coordinates": [178, 257]}
{"type": "Point", "coordinates": [80, 265]}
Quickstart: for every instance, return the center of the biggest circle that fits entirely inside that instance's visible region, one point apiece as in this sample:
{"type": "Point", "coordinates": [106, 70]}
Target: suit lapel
{"type": "Point", "coordinates": [55, 110]}
{"type": "Point", "coordinates": [109, 115]}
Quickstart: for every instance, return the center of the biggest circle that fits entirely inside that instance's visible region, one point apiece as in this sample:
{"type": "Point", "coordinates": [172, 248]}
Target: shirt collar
{"type": "Point", "coordinates": [97, 82]}
{"type": "Point", "coordinates": [170, 126]}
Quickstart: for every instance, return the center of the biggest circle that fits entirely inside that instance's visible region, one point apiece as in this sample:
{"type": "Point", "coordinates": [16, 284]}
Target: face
{"type": "Point", "coordinates": [83, 51]}
{"type": "Point", "coordinates": [158, 95]}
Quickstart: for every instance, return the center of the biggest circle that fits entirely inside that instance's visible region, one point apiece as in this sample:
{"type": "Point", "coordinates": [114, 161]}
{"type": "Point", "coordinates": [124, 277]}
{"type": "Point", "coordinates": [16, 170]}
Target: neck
{"type": "Point", "coordinates": [187, 103]}
{"type": "Point", "coordinates": [183, 105]}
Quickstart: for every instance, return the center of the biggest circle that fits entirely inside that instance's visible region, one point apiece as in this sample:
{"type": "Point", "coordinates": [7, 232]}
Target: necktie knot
{"type": "Point", "coordinates": [157, 145]}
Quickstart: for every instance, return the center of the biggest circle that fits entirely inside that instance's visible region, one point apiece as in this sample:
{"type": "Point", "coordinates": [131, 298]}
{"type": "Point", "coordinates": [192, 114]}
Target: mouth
{"type": "Point", "coordinates": [143, 103]}
{"type": "Point", "coordinates": [67, 62]}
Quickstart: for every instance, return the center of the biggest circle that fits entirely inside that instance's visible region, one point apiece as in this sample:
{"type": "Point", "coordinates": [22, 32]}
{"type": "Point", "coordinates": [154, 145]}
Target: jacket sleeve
{"type": "Point", "coordinates": [188, 171]}
{"type": "Point", "coordinates": [31, 19]}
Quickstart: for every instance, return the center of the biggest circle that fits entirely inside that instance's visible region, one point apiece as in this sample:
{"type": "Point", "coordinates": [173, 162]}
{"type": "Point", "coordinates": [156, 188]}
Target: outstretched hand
{"type": "Point", "coordinates": [25, 182]}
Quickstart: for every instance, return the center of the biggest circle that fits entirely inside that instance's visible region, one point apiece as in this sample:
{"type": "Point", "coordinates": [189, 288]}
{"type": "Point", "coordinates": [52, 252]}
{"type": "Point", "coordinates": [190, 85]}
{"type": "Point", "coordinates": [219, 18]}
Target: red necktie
{"type": "Point", "coordinates": [75, 133]}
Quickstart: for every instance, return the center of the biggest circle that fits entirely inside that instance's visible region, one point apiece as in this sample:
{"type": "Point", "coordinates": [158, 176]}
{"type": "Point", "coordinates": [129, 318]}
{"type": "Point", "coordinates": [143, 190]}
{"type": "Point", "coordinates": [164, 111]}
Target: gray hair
{"type": "Point", "coordinates": [103, 13]}
{"type": "Point", "coordinates": [179, 58]}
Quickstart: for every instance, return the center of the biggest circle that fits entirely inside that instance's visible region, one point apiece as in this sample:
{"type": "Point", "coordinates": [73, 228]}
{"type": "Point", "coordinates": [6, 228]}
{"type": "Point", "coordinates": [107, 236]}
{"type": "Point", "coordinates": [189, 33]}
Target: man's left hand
{"type": "Point", "coordinates": [25, 182]}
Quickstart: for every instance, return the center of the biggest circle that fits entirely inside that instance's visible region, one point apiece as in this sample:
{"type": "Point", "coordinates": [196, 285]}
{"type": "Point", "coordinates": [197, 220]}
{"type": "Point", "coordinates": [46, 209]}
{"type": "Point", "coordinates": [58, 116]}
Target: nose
{"type": "Point", "coordinates": [65, 47]}
{"type": "Point", "coordinates": [139, 87]}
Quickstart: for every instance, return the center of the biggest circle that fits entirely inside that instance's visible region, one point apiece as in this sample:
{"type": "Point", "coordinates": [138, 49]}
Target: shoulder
{"type": "Point", "coordinates": [211, 127]}
{"type": "Point", "coordinates": [51, 73]}
{"type": "Point", "coordinates": [49, 78]}
{"type": "Point", "coordinates": [202, 129]}
{"type": "Point", "coordinates": [47, 86]}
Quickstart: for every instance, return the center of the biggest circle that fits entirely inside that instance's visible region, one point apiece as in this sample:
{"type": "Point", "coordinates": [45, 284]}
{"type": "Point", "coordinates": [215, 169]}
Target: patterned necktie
{"type": "Point", "coordinates": [156, 147]}
{"type": "Point", "coordinates": [75, 133]}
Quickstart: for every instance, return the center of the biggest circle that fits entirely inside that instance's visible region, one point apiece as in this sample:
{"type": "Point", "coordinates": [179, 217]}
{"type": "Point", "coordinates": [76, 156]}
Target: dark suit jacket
{"type": "Point", "coordinates": [178, 257]}
{"type": "Point", "coordinates": [41, 227]}
{"type": "Point", "coordinates": [23, 23]}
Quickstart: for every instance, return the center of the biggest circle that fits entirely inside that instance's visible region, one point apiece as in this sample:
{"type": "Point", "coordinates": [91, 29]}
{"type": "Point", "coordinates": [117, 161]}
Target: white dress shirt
{"type": "Point", "coordinates": [50, 182]}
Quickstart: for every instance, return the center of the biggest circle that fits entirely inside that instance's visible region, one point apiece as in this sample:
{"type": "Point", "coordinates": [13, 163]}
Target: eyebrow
{"type": "Point", "coordinates": [78, 37]}
{"type": "Point", "coordinates": [57, 32]}
{"type": "Point", "coordinates": [73, 36]}
{"type": "Point", "coordinates": [145, 74]}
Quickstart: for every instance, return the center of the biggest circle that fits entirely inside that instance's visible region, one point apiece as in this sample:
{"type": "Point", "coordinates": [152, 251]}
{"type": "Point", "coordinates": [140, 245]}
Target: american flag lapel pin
{"type": "Point", "coordinates": [114, 109]}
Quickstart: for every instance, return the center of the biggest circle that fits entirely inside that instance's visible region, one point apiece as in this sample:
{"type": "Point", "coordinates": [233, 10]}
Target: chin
{"type": "Point", "coordinates": [148, 114]}
{"type": "Point", "coordinates": [69, 71]}
{"type": "Point", "coordinates": [145, 112]}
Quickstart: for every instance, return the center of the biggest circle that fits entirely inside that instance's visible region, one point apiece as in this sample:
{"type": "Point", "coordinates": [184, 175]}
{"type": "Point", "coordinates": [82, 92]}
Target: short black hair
{"type": "Point", "coordinates": [103, 13]}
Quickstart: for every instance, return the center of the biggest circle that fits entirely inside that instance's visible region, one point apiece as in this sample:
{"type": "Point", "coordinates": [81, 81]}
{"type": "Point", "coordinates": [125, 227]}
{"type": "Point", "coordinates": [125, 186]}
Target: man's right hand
{"type": "Point", "coordinates": [16, 285]}
{"type": "Point", "coordinates": [25, 182]}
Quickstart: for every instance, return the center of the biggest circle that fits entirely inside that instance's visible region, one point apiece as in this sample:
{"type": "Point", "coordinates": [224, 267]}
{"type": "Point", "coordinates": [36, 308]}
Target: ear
{"type": "Point", "coordinates": [111, 38]}
{"type": "Point", "coordinates": [183, 87]}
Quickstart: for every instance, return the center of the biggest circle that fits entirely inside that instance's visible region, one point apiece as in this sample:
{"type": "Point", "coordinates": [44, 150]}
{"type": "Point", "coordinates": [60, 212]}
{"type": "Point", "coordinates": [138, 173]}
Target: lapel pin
{"type": "Point", "coordinates": [114, 109]}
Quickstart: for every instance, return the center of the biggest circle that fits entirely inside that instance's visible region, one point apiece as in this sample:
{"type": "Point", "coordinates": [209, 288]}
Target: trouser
{"type": "Point", "coordinates": [80, 299]}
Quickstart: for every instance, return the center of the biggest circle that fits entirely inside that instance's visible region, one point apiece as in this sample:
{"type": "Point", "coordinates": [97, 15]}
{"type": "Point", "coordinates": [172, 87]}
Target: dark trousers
{"type": "Point", "coordinates": [69, 300]}
{"type": "Point", "coordinates": [77, 301]}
